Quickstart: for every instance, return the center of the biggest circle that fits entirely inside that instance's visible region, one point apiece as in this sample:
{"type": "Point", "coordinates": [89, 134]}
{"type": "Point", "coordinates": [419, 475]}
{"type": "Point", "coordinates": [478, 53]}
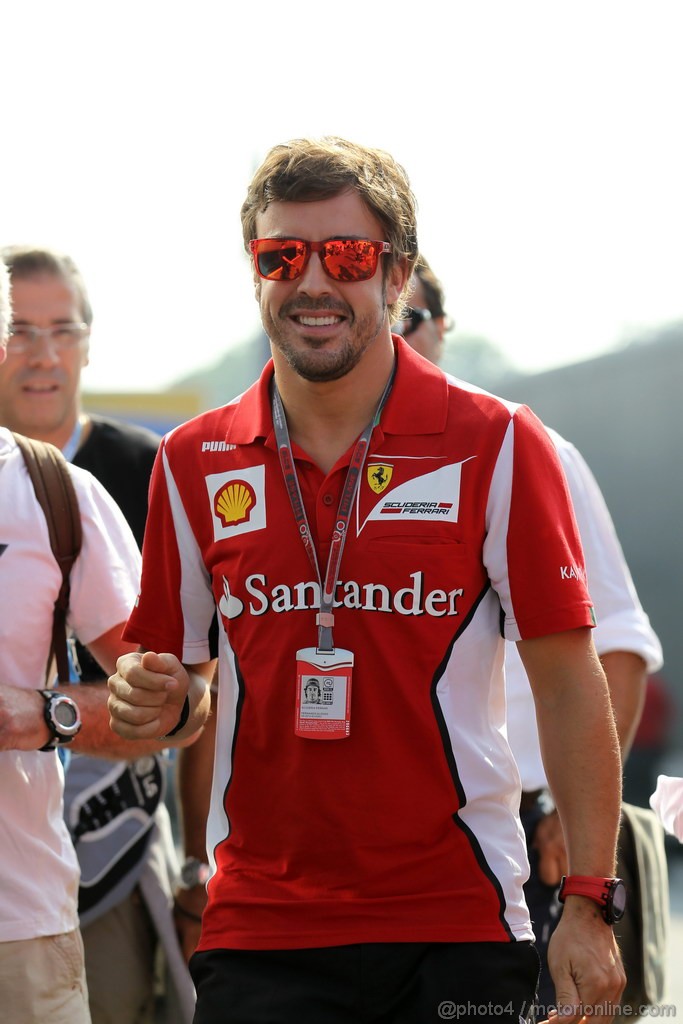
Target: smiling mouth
{"type": "Point", "coordinates": [318, 321]}
{"type": "Point", "coordinates": [38, 389]}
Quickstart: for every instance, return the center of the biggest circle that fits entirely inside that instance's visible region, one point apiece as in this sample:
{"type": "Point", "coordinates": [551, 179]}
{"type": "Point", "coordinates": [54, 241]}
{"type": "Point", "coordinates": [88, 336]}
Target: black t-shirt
{"type": "Point", "coordinates": [120, 456]}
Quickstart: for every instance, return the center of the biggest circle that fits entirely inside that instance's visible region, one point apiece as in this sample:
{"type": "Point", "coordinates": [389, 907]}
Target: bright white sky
{"type": "Point", "coordinates": [542, 140]}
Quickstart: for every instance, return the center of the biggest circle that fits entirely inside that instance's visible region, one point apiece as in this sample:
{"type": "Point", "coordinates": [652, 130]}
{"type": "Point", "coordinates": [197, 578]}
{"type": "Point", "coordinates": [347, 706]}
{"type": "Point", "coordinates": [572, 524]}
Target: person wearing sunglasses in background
{"type": "Point", "coordinates": [424, 323]}
{"type": "Point", "coordinates": [357, 517]}
{"type": "Point", "coordinates": [628, 649]}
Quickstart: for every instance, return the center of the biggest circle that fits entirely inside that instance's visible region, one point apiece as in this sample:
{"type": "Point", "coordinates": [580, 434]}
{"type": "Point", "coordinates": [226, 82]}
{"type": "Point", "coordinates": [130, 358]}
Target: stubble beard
{"type": "Point", "coordinates": [313, 362]}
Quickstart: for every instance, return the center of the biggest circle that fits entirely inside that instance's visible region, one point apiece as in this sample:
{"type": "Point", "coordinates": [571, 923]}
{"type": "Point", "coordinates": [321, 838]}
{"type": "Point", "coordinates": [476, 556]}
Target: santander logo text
{"type": "Point", "coordinates": [413, 599]}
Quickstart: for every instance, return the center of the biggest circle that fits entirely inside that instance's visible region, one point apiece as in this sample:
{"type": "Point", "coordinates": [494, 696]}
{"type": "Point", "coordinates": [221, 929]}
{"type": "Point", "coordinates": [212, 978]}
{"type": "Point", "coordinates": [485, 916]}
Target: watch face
{"type": "Point", "coordinates": [62, 718]}
{"type": "Point", "coordinates": [618, 895]}
{"type": "Point", "coordinates": [188, 875]}
{"type": "Point", "coordinates": [194, 873]}
{"type": "Point", "coordinates": [64, 714]}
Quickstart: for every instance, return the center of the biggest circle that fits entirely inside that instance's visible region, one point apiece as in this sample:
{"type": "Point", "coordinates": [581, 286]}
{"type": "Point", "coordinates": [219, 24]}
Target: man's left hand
{"type": "Point", "coordinates": [585, 964]}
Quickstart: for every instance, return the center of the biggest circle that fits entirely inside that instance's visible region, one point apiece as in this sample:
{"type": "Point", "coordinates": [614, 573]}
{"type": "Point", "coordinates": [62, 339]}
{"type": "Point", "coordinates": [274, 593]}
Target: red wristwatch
{"type": "Point", "coordinates": [608, 893]}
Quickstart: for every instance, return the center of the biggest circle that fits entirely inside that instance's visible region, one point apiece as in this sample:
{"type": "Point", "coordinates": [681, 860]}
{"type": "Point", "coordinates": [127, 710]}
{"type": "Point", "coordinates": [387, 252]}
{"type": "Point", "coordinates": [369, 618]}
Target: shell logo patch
{"type": "Point", "coordinates": [233, 503]}
{"type": "Point", "coordinates": [379, 476]}
{"type": "Point", "coordinates": [237, 501]}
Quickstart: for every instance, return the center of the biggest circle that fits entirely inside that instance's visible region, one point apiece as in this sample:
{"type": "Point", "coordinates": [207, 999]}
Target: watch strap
{"type": "Point", "coordinates": [592, 886]}
{"type": "Point", "coordinates": [184, 715]}
{"type": "Point", "coordinates": [602, 891]}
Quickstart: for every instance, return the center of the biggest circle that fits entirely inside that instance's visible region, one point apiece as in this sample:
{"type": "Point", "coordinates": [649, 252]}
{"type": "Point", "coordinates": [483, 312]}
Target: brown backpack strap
{"type": "Point", "coordinates": [49, 472]}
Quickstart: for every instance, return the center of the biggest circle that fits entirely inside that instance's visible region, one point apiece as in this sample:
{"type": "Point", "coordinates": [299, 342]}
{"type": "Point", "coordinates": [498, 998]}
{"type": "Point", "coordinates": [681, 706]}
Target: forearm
{"type": "Point", "coordinates": [96, 738]}
{"type": "Point", "coordinates": [583, 768]}
{"type": "Point", "coordinates": [23, 725]}
{"type": "Point", "coordinates": [627, 678]}
{"type": "Point", "coordinates": [194, 771]}
{"type": "Point", "coordinates": [580, 750]}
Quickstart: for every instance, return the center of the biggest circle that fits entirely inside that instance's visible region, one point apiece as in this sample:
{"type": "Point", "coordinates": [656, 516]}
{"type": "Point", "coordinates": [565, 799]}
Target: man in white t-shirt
{"type": "Point", "coordinates": [41, 953]}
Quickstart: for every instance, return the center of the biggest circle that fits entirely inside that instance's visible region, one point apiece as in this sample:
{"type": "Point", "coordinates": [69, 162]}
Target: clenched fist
{"type": "Point", "coordinates": [146, 695]}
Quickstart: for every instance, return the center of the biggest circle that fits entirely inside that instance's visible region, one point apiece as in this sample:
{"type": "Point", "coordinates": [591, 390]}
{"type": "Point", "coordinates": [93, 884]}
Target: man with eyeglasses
{"type": "Point", "coordinates": [358, 516]}
{"type": "Point", "coordinates": [40, 383]}
{"type": "Point", "coordinates": [120, 847]}
{"type": "Point", "coordinates": [42, 973]}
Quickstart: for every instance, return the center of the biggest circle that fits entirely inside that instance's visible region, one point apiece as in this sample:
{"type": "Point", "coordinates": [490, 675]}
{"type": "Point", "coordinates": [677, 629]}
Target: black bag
{"type": "Point", "coordinates": [642, 932]}
{"type": "Point", "coordinates": [49, 473]}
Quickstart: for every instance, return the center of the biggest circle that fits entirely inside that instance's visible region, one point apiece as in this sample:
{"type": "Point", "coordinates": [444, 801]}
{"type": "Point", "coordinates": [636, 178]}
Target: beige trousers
{"type": "Point", "coordinates": [44, 980]}
{"type": "Point", "coordinates": [120, 948]}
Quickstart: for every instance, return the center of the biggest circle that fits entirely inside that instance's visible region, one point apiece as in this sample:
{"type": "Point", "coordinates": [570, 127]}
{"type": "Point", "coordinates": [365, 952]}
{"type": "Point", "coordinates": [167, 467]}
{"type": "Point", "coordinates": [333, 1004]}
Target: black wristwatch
{"type": "Point", "coordinates": [194, 872]}
{"type": "Point", "coordinates": [608, 893]}
{"type": "Point", "coordinates": [62, 716]}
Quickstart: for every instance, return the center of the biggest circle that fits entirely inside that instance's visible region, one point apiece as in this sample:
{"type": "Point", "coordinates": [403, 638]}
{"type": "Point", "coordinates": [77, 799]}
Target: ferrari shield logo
{"type": "Point", "coordinates": [379, 476]}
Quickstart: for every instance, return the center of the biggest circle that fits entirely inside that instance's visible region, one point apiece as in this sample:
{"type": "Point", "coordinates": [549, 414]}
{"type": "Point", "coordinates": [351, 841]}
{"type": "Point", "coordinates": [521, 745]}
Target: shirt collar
{"type": "Point", "coordinates": [418, 403]}
{"type": "Point", "coordinates": [253, 417]}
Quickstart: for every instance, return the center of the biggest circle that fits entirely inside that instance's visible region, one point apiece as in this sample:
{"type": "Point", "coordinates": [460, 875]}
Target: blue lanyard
{"type": "Point", "coordinates": [71, 446]}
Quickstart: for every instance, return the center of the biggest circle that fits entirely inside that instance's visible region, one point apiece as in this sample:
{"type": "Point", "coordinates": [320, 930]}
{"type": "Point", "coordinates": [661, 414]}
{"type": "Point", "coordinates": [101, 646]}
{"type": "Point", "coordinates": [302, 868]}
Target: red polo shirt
{"type": "Point", "coordinates": [461, 531]}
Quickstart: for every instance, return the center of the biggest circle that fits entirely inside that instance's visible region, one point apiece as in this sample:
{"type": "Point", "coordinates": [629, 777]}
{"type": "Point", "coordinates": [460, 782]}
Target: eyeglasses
{"type": "Point", "coordinates": [25, 337]}
{"type": "Point", "coordinates": [415, 316]}
{"type": "Point", "coordinates": [343, 259]}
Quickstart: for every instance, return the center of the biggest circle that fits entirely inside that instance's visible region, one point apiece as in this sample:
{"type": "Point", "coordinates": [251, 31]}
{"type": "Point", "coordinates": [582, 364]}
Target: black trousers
{"type": "Point", "coordinates": [374, 983]}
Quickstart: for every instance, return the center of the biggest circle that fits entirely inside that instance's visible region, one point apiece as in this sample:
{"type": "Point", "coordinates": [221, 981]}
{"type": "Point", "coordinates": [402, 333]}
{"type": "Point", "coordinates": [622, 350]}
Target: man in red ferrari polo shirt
{"type": "Point", "coordinates": [362, 520]}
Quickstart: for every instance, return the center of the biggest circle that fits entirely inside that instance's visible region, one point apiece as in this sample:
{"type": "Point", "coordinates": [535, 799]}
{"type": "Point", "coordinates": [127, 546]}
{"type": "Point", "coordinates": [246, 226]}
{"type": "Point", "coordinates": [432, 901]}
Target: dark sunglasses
{"type": "Point", "coordinates": [412, 320]}
{"type": "Point", "coordinates": [343, 259]}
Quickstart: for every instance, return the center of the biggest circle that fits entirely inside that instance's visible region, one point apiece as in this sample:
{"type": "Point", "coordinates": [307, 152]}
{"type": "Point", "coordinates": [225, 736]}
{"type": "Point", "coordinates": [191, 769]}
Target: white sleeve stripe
{"type": "Point", "coordinates": [497, 523]}
{"type": "Point", "coordinates": [196, 597]}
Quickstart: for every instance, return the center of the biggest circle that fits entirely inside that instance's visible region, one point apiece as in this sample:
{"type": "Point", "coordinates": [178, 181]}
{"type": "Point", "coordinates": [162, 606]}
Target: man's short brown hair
{"type": "Point", "coordinates": [306, 170]}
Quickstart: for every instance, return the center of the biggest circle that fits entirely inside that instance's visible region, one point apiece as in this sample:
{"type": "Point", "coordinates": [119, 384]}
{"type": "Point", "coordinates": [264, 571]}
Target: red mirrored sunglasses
{"type": "Point", "coordinates": [343, 259]}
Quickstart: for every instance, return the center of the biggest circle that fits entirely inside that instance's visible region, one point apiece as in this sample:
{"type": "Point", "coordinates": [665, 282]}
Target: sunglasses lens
{"type": "Point", "coordinates": [280, 259]}
{"type": "Point", "coordinates": [350, 259]}
{"type": "Point", "coordinates": [343, 259]}
{"type": "Point", "coordinates": [415, 317]}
